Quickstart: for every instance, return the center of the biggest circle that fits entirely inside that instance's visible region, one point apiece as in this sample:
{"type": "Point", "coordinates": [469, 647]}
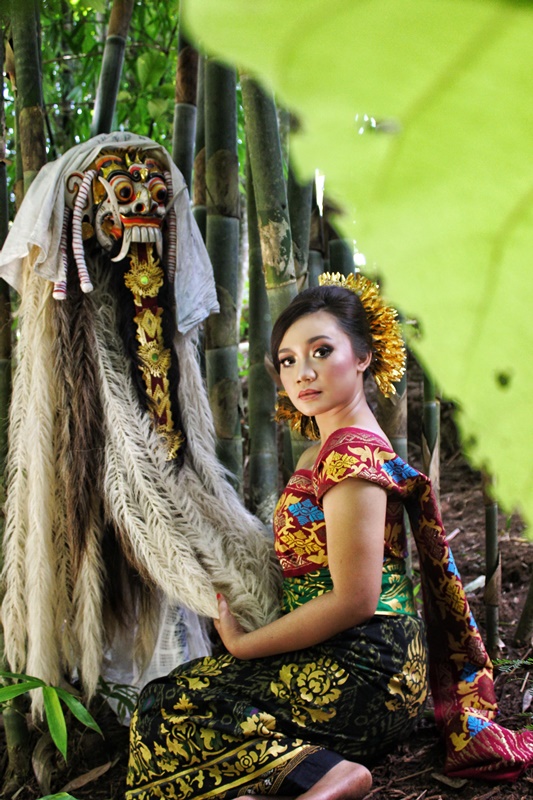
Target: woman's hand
{"type": "Point", "coordinates": [229, 629]}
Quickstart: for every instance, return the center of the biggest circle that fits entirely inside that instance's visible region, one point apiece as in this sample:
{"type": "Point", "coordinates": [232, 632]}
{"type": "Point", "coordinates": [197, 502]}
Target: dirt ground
{"type": "Point", "coordinates": [414, 770]}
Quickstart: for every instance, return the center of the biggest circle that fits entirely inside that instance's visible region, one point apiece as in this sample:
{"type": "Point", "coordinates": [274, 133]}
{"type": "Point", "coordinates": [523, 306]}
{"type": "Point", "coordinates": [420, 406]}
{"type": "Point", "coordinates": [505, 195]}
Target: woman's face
{"type": "Point", "coordinates": [318, 367]}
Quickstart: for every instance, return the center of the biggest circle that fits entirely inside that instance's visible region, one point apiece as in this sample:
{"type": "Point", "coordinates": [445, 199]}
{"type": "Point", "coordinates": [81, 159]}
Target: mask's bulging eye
{"type": "Point", "coordinates": [123, 189]}
{"type": "Point", "coordinates": [158, 190]}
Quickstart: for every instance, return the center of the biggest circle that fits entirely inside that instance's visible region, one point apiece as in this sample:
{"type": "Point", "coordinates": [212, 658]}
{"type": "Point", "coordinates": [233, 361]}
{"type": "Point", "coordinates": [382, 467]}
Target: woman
{"type": "Point", "coordinates": [297, 707]}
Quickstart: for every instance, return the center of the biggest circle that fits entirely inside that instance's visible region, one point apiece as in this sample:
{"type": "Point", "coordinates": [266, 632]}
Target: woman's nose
{"type": "Point", "coordinates": [306, 373]}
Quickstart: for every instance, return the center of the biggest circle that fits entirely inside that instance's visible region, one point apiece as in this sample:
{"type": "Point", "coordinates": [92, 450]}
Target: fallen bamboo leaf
{"type": "Point", "coordinates": [453, 534]}
{"type": "Point", "coordinates": [413, 775]}
{"type": "Point", "coordinates": [88, 777]}
{"type": "Point", "coordinates": [493, 793]}
{"type": "Point", "coordinates": [43, 762]}
{"type": "Point", "coordinates": [527, 699]}
{"type": "Point", "coordinates": [478, 583]}
{"type": "Point", "coordinates": [454, 783]}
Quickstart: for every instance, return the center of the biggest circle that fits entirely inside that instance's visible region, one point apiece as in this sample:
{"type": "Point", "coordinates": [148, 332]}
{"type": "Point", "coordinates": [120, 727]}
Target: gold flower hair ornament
{"type": "Point", "coordinates": [388, 362]}
{"type": "Point", "coordinates": [286, 412]}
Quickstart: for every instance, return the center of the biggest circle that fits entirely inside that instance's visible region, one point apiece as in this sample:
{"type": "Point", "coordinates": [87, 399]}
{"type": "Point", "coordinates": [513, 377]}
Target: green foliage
{"type": "Point", "coordinates": [59, 796]}
{"type": "Point", "coordinates": [73, 37]}
{"type": "Point", "coordinates": [150, 68]}
{"type": "Point", "coordinates": [439, 182]}
{"type": "Point", "coordinates": [52, 695]}
{"type": "Point", "coordinates": [124, 695]}
{"type": "Point", "coordinates": [511, 665]}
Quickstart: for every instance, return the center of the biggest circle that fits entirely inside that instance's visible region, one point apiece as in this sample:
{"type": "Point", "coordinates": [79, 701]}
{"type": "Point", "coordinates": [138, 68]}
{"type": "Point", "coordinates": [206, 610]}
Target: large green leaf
{"type": "Point", "coordinates": [16, 689]}
{"type": "Point", "coordinates": [79, 710]}
{"type": "Point", "coordinates": [22, 676]}
{"type": "Point", "coordinates": [444, 204]}
{"type": "Point", "coordinates": [55, 719]}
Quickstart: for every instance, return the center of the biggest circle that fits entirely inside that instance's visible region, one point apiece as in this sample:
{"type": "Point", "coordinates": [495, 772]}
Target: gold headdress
{"type": "Point", "coordinates": [388, 362]}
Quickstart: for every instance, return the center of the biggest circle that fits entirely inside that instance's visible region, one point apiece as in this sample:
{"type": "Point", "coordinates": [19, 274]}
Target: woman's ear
{"type": "Point", "coordinates": [365, 362]}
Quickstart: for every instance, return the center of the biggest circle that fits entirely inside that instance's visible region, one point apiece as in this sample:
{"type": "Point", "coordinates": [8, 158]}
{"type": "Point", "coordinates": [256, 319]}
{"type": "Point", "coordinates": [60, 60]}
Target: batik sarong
{"type": "Point", "coordinates": [220, 727]}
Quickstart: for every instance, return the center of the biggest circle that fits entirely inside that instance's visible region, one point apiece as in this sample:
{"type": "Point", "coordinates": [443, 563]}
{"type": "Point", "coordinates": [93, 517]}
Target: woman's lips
{"type": "Point", "coordinates": [308, 394]}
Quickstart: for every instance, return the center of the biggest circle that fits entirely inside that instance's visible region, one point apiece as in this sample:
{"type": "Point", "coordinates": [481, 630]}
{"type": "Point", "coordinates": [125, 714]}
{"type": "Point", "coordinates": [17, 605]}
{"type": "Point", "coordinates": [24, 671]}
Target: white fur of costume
{"type": "Point", "coordinates": [188, 530]}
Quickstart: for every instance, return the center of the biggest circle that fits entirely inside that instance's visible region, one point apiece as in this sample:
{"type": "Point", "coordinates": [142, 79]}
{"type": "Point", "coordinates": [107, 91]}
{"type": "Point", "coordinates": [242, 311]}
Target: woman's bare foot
{"type": "Point", "coordinates": [345, 781]}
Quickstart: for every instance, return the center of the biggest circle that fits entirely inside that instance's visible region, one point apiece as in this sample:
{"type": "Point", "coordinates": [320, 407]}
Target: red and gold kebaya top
{"type": "Point", "coordinates": [300, 530]}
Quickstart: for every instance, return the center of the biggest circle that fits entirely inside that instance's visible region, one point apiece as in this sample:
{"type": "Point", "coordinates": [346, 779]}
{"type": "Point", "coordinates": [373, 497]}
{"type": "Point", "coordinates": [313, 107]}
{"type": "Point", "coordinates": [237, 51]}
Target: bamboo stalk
{"type": "Point", "coordinates": [431, 435]}
{"type": "Point", "coordinates": [341, 256]}
{"type": "Point", "coordinates": [222, 238]}
{"type": "Point", "coordinates": [263, 460]}
{"type": "Point", "coordinates": [112, 62]}
{"type": "Point", "coordinates": [266, 160]}
{"type": "Point", "coordinates": [492, 594]}
{"type": "Point", "coordinates": [300, 198]}
{"type": "Point", "coordinates": [392, 416]}
{"type": "Point", "coordinates": [317, 247]}
{"type": "Point", "coordinates": [24, 25]}
{"type": "Point", "coordinates": [199, 202]}
{"type": "Point", "coordinates": [264, 147]}
{"type": "Point", "coordinates": [185, 111]}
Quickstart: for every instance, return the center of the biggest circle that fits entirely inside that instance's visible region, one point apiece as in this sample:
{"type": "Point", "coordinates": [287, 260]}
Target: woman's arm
{"type": "Point", "coordinates": [354, 512]}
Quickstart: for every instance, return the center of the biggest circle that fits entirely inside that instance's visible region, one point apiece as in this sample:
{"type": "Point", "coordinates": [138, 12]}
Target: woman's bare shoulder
{"type": "Point", "coordinates": [308, 457]}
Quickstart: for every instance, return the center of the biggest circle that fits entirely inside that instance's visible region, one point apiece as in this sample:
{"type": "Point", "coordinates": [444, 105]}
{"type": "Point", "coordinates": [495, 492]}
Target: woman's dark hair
{"type": "Point", "coordinates": [341, 303]}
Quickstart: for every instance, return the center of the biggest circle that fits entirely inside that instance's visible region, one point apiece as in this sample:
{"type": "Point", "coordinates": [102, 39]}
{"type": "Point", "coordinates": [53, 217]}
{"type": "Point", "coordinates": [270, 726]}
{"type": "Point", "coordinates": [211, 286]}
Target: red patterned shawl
{"type": "Point", "coordinates": [460, 669]}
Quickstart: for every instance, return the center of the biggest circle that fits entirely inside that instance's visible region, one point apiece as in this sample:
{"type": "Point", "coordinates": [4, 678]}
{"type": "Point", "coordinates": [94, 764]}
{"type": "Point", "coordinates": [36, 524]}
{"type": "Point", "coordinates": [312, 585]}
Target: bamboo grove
{"type": "Point", "coordinates": [73, 69]}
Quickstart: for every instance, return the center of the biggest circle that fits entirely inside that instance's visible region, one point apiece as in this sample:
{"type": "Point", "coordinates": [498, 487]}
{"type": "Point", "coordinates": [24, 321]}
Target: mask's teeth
{"type": "Point", "coordinates": [126, 241]}
{"type": "Point", "coordinates": [159, 242]}
{"type": "Point", "coordinates": [145, 236]}
{"type": "Point", "coordinates": [151, 233]}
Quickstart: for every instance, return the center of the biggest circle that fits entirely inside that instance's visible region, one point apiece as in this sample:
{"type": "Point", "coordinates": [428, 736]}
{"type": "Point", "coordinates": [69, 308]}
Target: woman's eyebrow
{"type": "Point", "coordinates": [320, 336]}
{"type": "Point", "coordinates": [309, 341]}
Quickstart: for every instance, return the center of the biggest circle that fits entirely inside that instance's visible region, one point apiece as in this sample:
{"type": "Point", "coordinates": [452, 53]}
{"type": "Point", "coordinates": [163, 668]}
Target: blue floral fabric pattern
{"type": "Point", "coordinates": [306, 511]}
{"type": "Point", "coordinates": [399, 470]}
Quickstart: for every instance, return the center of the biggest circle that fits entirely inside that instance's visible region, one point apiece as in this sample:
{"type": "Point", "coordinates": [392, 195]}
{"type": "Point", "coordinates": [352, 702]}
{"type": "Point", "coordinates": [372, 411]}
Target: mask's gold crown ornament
{"type": "Point", "coordinates": [388, 362]}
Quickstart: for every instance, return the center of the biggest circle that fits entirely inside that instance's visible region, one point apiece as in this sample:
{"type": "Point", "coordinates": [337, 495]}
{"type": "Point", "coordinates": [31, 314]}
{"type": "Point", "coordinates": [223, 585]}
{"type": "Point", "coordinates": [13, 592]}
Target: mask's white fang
{"type": "Point", "coordinates": [126, 241]}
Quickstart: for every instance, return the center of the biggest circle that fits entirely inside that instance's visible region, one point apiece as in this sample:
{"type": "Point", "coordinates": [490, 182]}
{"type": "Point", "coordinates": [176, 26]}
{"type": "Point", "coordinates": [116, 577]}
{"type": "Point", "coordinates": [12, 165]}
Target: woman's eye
{"type": "Point", "coordinates": [322, 352]}
{"type": "Point", "coordinates": [286, 362]}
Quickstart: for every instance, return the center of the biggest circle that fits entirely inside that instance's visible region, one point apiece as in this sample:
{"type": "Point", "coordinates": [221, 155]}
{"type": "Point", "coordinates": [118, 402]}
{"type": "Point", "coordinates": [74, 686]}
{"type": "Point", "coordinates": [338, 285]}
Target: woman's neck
{"type": "Point", "coordinates": [356, 415]}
